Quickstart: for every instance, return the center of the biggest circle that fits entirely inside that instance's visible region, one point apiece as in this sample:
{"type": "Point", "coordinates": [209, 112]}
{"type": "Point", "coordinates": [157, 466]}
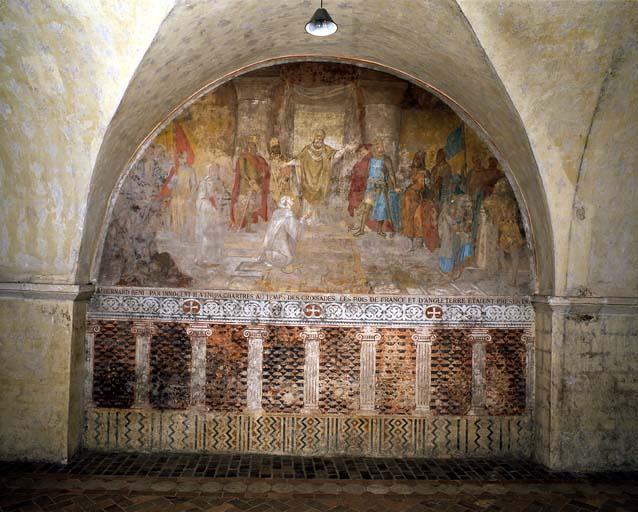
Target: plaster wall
{"type": "Point", "coordinates": [603, 254]}
{"type": "Point", "coordinates": [555, 60]}
{"type": "Point", "coordinates": [64, 67]}
{"type": "Point", "coordinates": [41, 351]}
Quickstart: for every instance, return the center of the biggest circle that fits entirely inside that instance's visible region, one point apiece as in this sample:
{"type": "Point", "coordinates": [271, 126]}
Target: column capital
{"type": "Point", "coordinates": [480, 335]}
{"type": "Point", "coordinates": [143, 328]}
{"type": "Point", "coordinates": [312, 334]}
{"type": "Point", "coordinates": [423, 335]}
{"type": "Point", "coordinates": [529, 335]}
{"type": "Point", "coordinates": [199, 330]}
{"type": "Point", "coordinates": [255, 333]}
{"type": "Point", "coordinates": [92, 327]}
{"type": "Point", "coordinates": [369, 335]}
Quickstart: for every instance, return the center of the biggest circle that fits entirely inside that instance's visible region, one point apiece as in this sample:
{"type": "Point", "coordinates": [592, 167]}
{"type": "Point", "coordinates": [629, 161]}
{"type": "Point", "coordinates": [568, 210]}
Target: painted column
{"type": "Point", "coordinates": [312, 337]}
{"type": "Point", "coordinates": [254, 111]}
{"type": "Point", "coordinates": [382, 107]}
{"type": "Point", "coordinates": [143, 332]}
{"type": "Point", "coordinates": [92, 328]}
{"type": "Point", "coordinates": [529, 339]}
{"type": "Point", "coordinates": [423, 339]}
{"type": "Point", "coordinates": [369, 338]}
{"type": "Point", "coordinates": [479, 337]}
{"type": "Point", "coordinates": [255, 336]}
{"type": "Point", "coordinates": [198, 334]}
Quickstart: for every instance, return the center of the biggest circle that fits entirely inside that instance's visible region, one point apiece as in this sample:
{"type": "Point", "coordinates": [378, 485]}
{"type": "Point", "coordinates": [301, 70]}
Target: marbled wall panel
{"type": "Point", "coordinates": [505, 372]}
{"type": "Point", "coordinates": [283, 370]}
{"type": "Point", "coordinates": [226, 366]}
{"type": "Point", "coordinates": [170, 366]}
{"type": "Point", "coordinates": [451, 372]}
{"type": "Point", "coordinates": [339, 371]}
{"type": "Point", "coordinates": [396, 370]}
{"type": "Point", "coordinates": [114, 366]}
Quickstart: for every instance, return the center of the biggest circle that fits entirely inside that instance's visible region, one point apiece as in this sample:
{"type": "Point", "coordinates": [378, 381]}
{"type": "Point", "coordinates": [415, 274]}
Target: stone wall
{"type": "Point", "coordinates": [586, 355]}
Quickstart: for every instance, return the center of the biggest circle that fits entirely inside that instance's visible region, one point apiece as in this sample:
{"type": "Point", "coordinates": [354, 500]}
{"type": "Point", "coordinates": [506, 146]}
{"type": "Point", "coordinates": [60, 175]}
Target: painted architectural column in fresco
{"type": "Point", "coordinates": [478, 337]}
{"type": "Point", "coordinates": [143, 332]}
{"type": "Point", "coordinates": [255, 336]}
{"type": "Point", "coordinates": [423, 338]}
{"type": "Point", "coordinates": [92, 328]}
{"type": "Point", "coordinates": [369, 338]}
{"type": "Point", "coordinates": [529, 339]}
{"type": "Point", "coordinates": [198, 334]}
{"type": "Point", "coordinates": [382, 104]}
{"type": "Point", "coordinates": [254, 111]}
{"type": "Point", "coordinates": [312, 337]}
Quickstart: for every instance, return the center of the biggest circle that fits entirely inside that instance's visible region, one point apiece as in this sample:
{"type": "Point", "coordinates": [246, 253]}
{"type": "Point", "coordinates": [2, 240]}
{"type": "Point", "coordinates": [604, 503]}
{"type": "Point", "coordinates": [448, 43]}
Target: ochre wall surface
{"type": "Point", "coordinates": [41, 380]}
{"type": "Point", "coordinates": [65, 68]}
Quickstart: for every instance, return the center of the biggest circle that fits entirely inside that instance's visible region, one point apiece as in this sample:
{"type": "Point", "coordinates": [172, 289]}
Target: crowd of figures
{"type": "Point", "coordinates": [471, 218]}
{"type": "Point", "coordinates": [464, 217]}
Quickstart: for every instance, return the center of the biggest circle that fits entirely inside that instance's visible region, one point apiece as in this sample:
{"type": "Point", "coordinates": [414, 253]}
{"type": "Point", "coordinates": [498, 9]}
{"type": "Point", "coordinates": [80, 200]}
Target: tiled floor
{"type": "Point", "coordinates": [228, 483]}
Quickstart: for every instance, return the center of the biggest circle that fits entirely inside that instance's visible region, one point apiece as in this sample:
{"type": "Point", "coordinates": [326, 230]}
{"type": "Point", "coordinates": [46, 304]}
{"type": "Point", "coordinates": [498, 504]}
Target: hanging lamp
{"type": "Point", "coordinates": [321, 23]}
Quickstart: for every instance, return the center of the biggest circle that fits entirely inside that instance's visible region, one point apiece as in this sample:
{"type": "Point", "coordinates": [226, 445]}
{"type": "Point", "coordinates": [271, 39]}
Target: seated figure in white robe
{"type": "Point", "coordinates": [284, 231]}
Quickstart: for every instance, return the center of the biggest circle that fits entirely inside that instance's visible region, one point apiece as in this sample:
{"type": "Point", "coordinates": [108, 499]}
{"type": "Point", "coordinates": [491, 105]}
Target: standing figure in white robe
{"type": "Point", "coordinates": [284, 231]}
{"type": "Point", "coordinates": [210, 222]}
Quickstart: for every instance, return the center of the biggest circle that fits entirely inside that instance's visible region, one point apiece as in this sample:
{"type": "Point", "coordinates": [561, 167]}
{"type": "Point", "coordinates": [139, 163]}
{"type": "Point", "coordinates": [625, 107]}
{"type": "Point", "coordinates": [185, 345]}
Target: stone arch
{"type": "Point", "coordinates": [454, 66]}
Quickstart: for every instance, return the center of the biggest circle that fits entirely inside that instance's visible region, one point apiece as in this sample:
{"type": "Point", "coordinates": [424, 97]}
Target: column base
{"type": "Point", "coordinates": [253, 412]}
{"type": "Point", "coordinates": [310, 410]}
{"type": "Point", "coordinates": [366, 412]}
{"type": "Point", "coordinates": [422, 411]}
{"type": "Point", "coordinates": [141, 405]}
{"type": "Point", "coordinates": [201, 408]}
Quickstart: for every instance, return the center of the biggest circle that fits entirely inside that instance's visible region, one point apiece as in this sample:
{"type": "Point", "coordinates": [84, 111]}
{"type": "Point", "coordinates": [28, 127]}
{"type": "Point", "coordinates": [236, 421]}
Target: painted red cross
{"type": "Point", "coordinates": [191, 307]}
{"type": "Point", "coordinates": [311, 310]}
{"type": "Point", "coordinates": [433, 312]}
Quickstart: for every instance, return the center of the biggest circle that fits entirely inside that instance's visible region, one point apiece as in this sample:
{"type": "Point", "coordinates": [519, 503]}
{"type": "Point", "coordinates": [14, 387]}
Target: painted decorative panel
{"type": "Point", "coordinates": [505, 372]}
{"type": "Point", "coordinates": [442, 436]}
{"type": "Point", "coordinates": [114, 365]}
{"type": "Point", "coordinates": [339, 371]}
{"type": "Point", "coordinates": [226, 366]}
{"type": "Point", "coordinates": [451, 372]}
{"type": "Point", "coordinates": [283, 372]}
{"type": "Point", "coordinates": [170, 367]}
{"type": "Point", "coordinates": [395, 372]}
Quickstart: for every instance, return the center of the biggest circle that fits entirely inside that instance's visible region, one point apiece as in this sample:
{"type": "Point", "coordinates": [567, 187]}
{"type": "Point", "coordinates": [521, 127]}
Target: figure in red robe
{"type": "Point", "coordinates": [249, 199]}
{"type": "Point", "coordinates": [182, 147]}
{"type": "Point", "coordinates": [359, 179]}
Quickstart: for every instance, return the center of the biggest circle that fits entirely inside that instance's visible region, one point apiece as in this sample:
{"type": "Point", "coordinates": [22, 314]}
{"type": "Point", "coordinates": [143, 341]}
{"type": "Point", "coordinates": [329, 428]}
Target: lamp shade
{"type": "Point", "coordinates": [321, 24]}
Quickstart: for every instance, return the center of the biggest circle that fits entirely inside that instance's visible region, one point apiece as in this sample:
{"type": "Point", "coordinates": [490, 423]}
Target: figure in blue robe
{"type": "Point", "coordinates": [381, 202]}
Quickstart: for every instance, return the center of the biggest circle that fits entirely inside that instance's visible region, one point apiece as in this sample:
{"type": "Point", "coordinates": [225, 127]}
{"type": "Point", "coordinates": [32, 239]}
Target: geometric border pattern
{"type": "Point", "coordinates": [296, 434]}
{"type": "Point", "coordinates": [310, 309]}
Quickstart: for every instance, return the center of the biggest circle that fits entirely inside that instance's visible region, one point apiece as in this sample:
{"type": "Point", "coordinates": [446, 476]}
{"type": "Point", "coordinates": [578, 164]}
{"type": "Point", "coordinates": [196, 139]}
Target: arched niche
{"type": "Point", "coordinates": [431, 44]}
{"type": "Point", "coordinates": [182, 213]}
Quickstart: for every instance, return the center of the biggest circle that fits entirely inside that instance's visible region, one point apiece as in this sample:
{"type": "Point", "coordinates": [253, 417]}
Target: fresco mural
{"type": "Point", "coordinates": [315, 178]}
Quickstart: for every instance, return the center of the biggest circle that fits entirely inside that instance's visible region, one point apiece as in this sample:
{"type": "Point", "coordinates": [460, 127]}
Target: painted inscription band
{"type": "Point", "coordinates": [305, 309]}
